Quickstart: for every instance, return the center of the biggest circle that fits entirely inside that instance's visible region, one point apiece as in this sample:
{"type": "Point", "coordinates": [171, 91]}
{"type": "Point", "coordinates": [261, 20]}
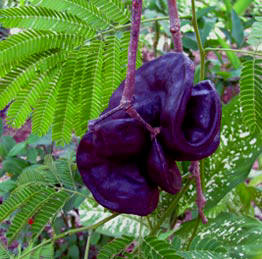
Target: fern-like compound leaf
{"type": "Point", "coordinates": [43, 114]}
{"type": "Point", "coordinates": [111, 67]}
{"type": "Point", "coordinates": [33, 174]}
{"type": "Point", "coordinates": [27, 98]}
{"type": "Point", "coordinates": [115, 10]}
{"type": "Point", "coordinates": [255, 36]}
{"type": "Point", "coordinates": [64, 113]}
{"type": "Point", "coordinates": [65, 174]}
{"type": "Point", "coordinates": [155, 248]}
{"type": "Point", "coordinates": [88, 85]}
{"type": "Point", "coordinates": [41, 18]}
{"type": "Point", "coordinates": [29, 209]}
{"type": "Point", "coordinates": [4, 254]}
{"type": "Point", "coordinates": [17, 199]}
{"type": "Point", "coordinates": [26, 43]}
{"type": "Point", "coordinates": [23, 73]}
{"type": "Point", "coordinates": [83, 9]}
{"type": "Point", "coordinates": [115, 247]}
{"type": "Point", "coordinates": [92, 86]}
{"type": "Point", "coordinates": [49, 210]}
{"type": "Point", "coordinates": [251, 93]}
{"type": "Point", "coordinates": [41, 252]}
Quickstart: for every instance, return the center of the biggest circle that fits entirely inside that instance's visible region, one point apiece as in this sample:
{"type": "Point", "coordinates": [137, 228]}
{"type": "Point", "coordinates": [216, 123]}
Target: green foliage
{"type": "Point", "coordinates": [255, 37]}
{"type": "Point", "coordinates": [158, 249]}
{"type": "Point", "coordinates": [112, 65]}
{"type": "Point", "coordinates": [115, 247]}
{"type": "Point", "coordinates": [62, 70]}
{"type": "Point", "coordinates": [240, 236]}
{"type": "Point", "coordinates": [41, 18]}
{"type": "Point", "coordinates": [52, 68]}
{"type": "Point", "coordinates": [4, 253]}
{"type": "Point", "coordinates": [96, 13]}
{"type": "Point", "coordinates": [30, 252]}
{"type": "Point", "coordinates": [40, 192]}
{"type": "Point", "coordinates": [125, 224]}
{"type": "Point", "coordinates": [30, 42]}
{"type": "Point", "coordinates": [6, 144]}
{"type": "Point", "coordinates": [231, 163]}
{"type": "Point", "coordinates": [27, 98]}
{"type": "Point", "coordinates": [43, 114]}
{"type": "Point", "coordinates": [115, 9]}
{"type": "Point", "coordinates": [237, 29]}
{"type": "Point", "coordinates": [251, 93]}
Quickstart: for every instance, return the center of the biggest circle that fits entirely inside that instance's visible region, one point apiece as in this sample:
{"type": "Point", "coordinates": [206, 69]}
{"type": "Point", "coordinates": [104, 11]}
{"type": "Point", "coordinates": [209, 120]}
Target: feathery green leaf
{"type": "Point", "coordinates": [255, 36]}
{"type": "Point", "coordinates": [64, 113]}
{"type": "Point", "coordinates": [26, 43]}
{"type": "Point", "coordinates": [25, 72]}
{"type": "Point", "coordinates": [91, 91]}
{"type": "Point", "coordinates": [41, 18]}
{"type": "Point", "coordinates": [111, 68]}
{"type": "Point", "coordinates": [27, 98]}
{"type": "Point", "coordinates": [85, 10]}
{"type": "Point", "coordinates": [124, 224]}
{"type": "Point", "coordinates": [4, 253]}
{"type": "Point", "coordinates": [42, 252]}
{"type": "Point", "coordinates": [115, 10]}
{"type": "Point", "coordinates": [43, 114]}
{"type": "Point", "coordinates": [28, 210]}
{"type": "Point", "coordinates": [114, 247]}
{"type": "Point", "coordinates": [17, 199]}
{"type": "Point", "coordinates": [158, 249]}
{"type": "Point", "coordinates": [251, 93]}
{"type": "Point", "coordinates": [49, 210]}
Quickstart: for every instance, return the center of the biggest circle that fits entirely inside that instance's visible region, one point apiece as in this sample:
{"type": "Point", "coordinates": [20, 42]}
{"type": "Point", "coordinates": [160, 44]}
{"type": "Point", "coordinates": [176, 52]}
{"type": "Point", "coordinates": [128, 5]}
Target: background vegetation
{"type": "Point", "coordinates": [59, 71]}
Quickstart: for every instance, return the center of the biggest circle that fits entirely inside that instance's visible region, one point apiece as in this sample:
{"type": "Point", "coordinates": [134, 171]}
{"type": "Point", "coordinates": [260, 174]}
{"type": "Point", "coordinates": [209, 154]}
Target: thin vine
{"type": "Point", "coordinates": [251, 53]}
{"type": "Point", "coordinates": [171, 207]}
{"type": "Point", "coordinates": [199, 42]}
{"type": "Point", "coordinates": [88, 243]}
{"type": "Point", "coordinates": [70, 233]}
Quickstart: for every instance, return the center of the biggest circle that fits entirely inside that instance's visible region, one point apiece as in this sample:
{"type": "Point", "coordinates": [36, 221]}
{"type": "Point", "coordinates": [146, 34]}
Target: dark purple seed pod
{"type": "Point", "coordinates": [163, 171]}
{"type": "Point", "coordinates": [118, 185]}
{"type": "Point", "coordinates": [194, 134]}
{"type": "Point", "coordinates": [119, 163]}
{"type": "Point", "coordinates": [120, 138]}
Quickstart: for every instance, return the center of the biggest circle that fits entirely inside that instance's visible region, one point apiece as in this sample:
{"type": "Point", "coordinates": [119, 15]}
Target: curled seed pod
{"type": "Point", "coordinates": [117, 185]}
{"type": "Point", "coordinates": [163, 171]}
{"type": "Point", "coordinates": [116, 158]}
{"type": "Point", "coordinates": [120, 138]}
{"type": "Point", "coordinates": [193, 131]}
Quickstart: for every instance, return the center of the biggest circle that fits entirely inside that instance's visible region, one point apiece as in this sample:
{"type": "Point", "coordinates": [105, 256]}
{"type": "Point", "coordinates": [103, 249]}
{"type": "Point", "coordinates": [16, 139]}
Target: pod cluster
{"type": "Point", "coordinates": [119, 162]}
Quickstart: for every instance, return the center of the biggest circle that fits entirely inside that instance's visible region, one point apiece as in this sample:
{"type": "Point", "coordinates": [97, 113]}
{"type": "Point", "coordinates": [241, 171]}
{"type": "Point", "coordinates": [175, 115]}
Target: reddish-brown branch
{"type": "Point", "coordinates": [175, 25]}
{"type": "Point", "coordinates": [129, 88]}
{"type": "Point", "coordinates": [200, 201]}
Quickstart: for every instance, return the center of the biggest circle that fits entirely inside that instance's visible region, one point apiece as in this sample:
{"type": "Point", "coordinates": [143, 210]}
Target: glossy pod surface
{"type": "Point", "coordinates": [118, 161]}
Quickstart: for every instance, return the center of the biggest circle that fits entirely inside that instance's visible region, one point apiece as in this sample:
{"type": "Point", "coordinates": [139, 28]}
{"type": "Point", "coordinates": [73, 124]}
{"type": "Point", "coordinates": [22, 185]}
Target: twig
{"type": "Point", "coordinates": [129, 87]}
{"type": "Point", "coordinates": [199, 42]}
{"type": "Point", "coordinates": [125, 26]}
{"type": "Point", "coordinates": [252, 53]}
{"type": "Point", "coordinates": [200, 200]}
{"type": "Point", "coordinates": [172, 206]}
{"type": "Point", "coordinates": [69, 233]}
{"type": "Point", "coordinates": [88, 243]}
{"type": "Point", "coordinates": [140, 238]}
{"type": "Point", "coordinates": [149, 223]}
{"type": "Point", "coordinates": [175, 25]}
{"type": "Point", "coordinates": [156, 37]}
{"type": "Point", "coordinates": [193, 234]}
